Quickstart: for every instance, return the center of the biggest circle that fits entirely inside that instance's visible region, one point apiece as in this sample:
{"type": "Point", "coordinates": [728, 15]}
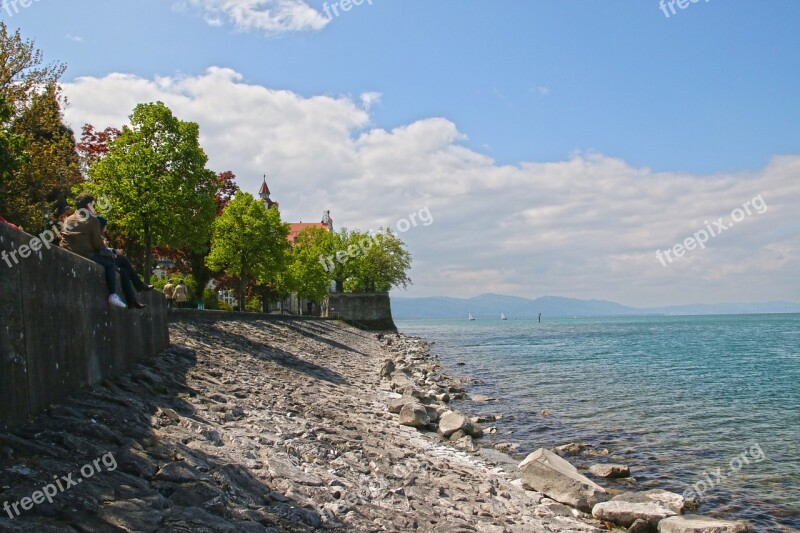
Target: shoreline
{"type": "Point", "coordinates": [269, 426]}
{"type": "Point", "coordinates": [585, 455]}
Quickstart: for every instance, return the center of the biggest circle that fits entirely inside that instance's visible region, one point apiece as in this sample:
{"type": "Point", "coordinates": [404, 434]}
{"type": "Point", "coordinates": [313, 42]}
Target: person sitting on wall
{"type": "Point", "coordinates": [82, 235]}
{"type": "Point", "coordinates": [124, 265]}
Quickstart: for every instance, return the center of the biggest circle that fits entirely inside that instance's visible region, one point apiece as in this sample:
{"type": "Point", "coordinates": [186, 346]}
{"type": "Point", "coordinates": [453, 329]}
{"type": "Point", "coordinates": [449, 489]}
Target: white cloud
{"type": "Point", "coordinates": [76, 38]}
{"type": "Point", "coordinates": [370, 99]}
{"type": "Point", "coordinates": [542, 90]}
{"type": "Point", "coordinates": [585, 227]}
{"type": "Point", "coordinates": [272, 17]}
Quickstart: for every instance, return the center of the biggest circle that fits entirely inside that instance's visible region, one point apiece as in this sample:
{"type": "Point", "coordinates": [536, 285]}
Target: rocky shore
{"type": "Point", "coordinates": [294, 426]}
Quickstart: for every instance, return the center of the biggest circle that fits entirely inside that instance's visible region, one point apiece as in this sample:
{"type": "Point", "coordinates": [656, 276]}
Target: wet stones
{"type": "Point", "coordinates": [546, 472]}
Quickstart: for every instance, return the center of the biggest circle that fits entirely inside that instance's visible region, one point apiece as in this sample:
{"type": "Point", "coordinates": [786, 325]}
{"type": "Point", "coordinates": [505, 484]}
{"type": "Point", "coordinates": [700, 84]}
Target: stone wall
{"type": "Point", "coordinates": [57, 331]}
{"type": "Point", "coordinates": [367, 311]}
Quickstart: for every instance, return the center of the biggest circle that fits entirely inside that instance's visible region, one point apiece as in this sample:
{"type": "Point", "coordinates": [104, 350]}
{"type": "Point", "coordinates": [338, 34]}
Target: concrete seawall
{"type": "Point", "coordinates": [57, 330]}
{"type": "Point", "coordinates": [372, 311]}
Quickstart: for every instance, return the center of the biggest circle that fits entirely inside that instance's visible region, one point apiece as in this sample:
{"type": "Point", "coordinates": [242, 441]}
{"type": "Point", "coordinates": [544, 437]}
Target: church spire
{"type": "Point", "coordinates": [264, 194]}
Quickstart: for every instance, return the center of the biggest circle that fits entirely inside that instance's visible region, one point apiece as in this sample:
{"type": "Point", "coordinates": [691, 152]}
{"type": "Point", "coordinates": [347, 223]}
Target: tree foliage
{"type": "Point", "coordinates": [37, 190]}
{"type": "Point", "coordinates": [155, 178]}
{"type": "Point", "coordinates": [22, 69]}
{"type": "Point", "coordinates": [94, 144]}
{"type": "Point", "coordinates": [307, 274]}
{"type": "Point", "coordinates": [356, 261]}
{"type": "Point", "coordinates": [194, 260]}
{"type": "Point", "coordinates": [249, 243]}
{"type": "Point", "coordinates": [382, 263]}
{"type": "Point", "coordinates": [11, 154]}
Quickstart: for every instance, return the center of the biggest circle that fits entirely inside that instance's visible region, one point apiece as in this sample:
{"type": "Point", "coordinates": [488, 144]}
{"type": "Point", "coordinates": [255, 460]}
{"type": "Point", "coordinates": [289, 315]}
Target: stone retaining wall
{"type": "Point", "coordinates": [372, 311]}
{"type": "Point", "coordinates": [57, 331]}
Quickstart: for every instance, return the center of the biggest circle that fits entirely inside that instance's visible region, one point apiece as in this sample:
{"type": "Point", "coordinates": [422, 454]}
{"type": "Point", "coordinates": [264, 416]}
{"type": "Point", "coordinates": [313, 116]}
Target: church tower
{"type": "Point", "coordinates": [264, 193]}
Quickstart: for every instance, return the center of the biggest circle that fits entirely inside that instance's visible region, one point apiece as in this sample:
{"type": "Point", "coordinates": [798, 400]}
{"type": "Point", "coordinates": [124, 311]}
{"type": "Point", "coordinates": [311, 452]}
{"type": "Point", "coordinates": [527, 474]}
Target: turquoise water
{"type": "Point", "coordinates": [674, 397]}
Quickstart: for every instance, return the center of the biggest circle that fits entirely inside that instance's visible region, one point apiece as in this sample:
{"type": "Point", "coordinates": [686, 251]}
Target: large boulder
{"type": "Point", "coordinates": [396, 404]}
{"type": "Point", "coordinates": [402, 384]}
{"type": "Point", "coordinates": [452, 421]}
{"type": "Point", "coordinates": [651, 506]}
{"type": "Point", "coordinates": [546, 472]}
{"type": "Point", "coordinates": [414, 415]}
{"type": "Point", "coordinates": [700, 524]}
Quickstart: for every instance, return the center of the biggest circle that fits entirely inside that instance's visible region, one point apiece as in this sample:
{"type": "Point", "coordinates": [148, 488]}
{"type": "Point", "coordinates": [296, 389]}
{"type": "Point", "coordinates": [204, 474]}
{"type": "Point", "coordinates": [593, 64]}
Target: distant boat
{"type": "Point", "coordinates": [471, 317]}
{"type": "Point", "coordinates": [503, 316]}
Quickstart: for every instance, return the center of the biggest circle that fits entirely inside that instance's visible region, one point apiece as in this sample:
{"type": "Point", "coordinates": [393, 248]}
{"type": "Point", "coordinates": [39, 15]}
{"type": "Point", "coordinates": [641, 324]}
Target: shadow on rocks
{"type": "Point", "coordinates": [162, 477]}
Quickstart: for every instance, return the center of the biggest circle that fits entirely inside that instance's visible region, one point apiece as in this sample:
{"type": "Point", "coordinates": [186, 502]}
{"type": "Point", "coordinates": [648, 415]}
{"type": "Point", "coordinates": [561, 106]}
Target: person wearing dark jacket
{"type": "Point", "coordinates": [82, 234]}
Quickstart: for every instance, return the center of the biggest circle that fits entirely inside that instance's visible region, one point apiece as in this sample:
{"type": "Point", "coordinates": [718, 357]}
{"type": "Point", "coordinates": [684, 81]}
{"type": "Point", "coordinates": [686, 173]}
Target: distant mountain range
{"type": "Point", "coordinates": [491, 305]}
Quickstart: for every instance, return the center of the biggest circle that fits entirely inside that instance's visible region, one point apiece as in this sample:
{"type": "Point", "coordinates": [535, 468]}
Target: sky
{"type": "Point", "coordinates": [526, 147]}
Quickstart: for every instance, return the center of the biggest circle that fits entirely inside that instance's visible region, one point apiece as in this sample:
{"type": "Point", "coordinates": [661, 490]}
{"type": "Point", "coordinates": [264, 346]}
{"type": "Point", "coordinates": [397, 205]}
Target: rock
{"type": "Point", "coordinates": [388, 369]}
{"type": "Point", "coordinates": [641, 526]}
{"type": "Point", "coordinates": [444, 398]}
{"type": "Point", "coordinates": [573, 448]}
{"type": "Point", "coordinates": [482, 398]}
{"type": "Point", "coordinates": [650, 506]}
{"type": "Point", "coordinates": [402, 384]}
{"type": "Point", "coordinates": [396, 405]}
{"type": "Point", "coordinates": [610, 471]}
{"type": "Point", "coordinates": [281, 466]}
{"type": "Point", "coordinates": [700, 524]}
{"type": "Point", "coordinates": [466, 443]}
{"type": "Point", "coordinates": [460, 434]}
{"type": "Point", "coordinates": [546, 472]}
{"type": "Point", "coordinates": [452, 421]}
{"type": "Point", "coordinates": [179, 472]}
{"type": "Point", "coordinates": [433, 414]}
{"type": "Point", "coordinates": [506, 447]}
{"type": "Point", "coordinates": [414, 415]}
{"type": "Point", "coordinates": [595, 452]}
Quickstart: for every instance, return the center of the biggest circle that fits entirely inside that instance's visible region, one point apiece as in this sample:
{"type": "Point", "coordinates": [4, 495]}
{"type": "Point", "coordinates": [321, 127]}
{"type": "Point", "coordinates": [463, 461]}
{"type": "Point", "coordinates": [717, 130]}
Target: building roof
{"type": "Point", "coordinates": [264, 188]}
{"type": "Point", "coordinates": [296, 227]}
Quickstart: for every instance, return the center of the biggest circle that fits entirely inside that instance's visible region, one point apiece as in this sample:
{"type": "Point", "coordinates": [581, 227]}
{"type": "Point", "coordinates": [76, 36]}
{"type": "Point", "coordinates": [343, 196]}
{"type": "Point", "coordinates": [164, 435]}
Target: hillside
{"type": "Point", "coordinates": [489, 306]}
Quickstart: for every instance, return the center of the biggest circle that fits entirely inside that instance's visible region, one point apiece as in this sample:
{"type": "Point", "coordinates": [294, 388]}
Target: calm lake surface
{"type": "Point", "coordinates": [679, 399]}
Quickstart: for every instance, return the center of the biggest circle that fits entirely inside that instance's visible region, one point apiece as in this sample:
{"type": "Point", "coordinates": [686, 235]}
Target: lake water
{"type": "Point", "coordinates": [701, 403]}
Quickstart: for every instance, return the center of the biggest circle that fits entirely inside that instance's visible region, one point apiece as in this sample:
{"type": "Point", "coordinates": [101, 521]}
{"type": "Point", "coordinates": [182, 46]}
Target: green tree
{"type": "Point", "coordinates": [11, 155]}
{"type": "Point", "coordinates": [155, 178]}
{"type": "Point", "coordinates": [37, 191]}
{"type": "Point", "coordinates": [382, 263]}
{"type": "Point", "coordinates": [22, 69]}
{"type": "Point", "coordinates": [249, 242]}
{"type": "Point", "coordinates": [309, 273]}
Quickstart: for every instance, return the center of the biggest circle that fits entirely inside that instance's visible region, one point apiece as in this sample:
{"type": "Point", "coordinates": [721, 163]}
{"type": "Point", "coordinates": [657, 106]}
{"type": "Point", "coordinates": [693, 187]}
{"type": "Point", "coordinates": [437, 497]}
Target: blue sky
{"type": "Point", "coordinates": [710, 88]}
{"type": "Point", "coordinates": [709, 93]}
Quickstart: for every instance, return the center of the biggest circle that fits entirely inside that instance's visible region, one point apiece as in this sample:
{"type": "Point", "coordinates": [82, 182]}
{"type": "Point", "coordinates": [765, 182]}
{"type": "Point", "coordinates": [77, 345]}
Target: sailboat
{"type": "Point", "coordinates": [471, 317]}
{"type": "Point", "coordinates": [503, 316]}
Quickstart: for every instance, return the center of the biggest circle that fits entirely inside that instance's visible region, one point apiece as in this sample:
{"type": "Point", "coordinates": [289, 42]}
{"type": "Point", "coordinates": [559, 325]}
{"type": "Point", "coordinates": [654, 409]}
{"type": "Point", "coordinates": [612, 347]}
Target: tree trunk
{"type": "Point", "coordinates": [242, 288]}
{"type": "Point", "coordinates": [148, 255]}
{"type": "Point", "coordinates": [200, 273]}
